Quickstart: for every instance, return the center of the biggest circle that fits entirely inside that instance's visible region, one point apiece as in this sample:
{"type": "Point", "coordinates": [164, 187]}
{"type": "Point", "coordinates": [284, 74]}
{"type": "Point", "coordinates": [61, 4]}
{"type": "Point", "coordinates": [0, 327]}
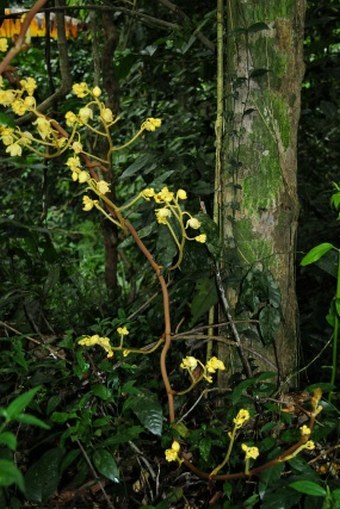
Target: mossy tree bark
{"type": "Point", "coordinates": [259, 204]}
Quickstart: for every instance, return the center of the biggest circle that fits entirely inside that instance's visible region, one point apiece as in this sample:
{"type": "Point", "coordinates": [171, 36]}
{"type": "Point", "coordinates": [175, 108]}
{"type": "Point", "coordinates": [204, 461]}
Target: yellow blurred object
{"type": "Point", "coordinates": [11, 27]}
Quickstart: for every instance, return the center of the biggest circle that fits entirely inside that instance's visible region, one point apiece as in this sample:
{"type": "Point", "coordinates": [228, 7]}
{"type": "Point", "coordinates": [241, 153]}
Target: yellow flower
{"type": "Point", "coordinates": [310, 445]}
{"type": "Point", "coordinates": [80, 89]}
{"type": "Point", "coordinates": [201, 238]}
{"type": "Point", "coordinates": [126, 352]}
{"type": "Point", "coordinates": [83, 176]}
{"type": "Point", "coordinates": [26, 138]}
{"type": "Point", "coordinates": [123, 331]}
{"type": "Point", "coordinates": [148, 193]}
{"type": "Point", "coordinates": [29, 85]}
{"type": "Point", "coordinates": [194, 223]}
{"type": "Point", "coordinates": [172, 454]}
{"type": "Point", "coordinates": [77, 147]}
{"type": "Point", "coordinates": [73, 163]}
{"type": "Point", "coordinates": [189, 363]}
{"type": "Point", "coordinates": [85, 113]}
{"type": "Point", "coordinates": [242, 416]}
{"type": "Point", "coordinates": [162, 215]}
{"type": "Point", "coordinates": [251, 452]}
{"type": "Point", "coordinates": [88, 203]}
{"type": "Point", "coordinates": [305, 431]}
{"type": "Point", "coordinates": [19, 107]}
{"type": "Point", "coordinates": [164, 196]}
{"type": "Point", "coordinates": [98, 340]}
{"type": "Point", "coordinates": [3, 44]}
{"type": "Point", "coordinates": [107, 115]}
{"type": "Point", "coordinates": [44, 127]}
{"type": "Point", "coordinates": [7, 135]}
{"type": "Point", "coordinates": [181, 194]}
{"type": "Point", "coordinates": [29, 101]}
{"type": "Point", "coordinates": [7, 97]}
{"type": "Point", "coordinates": [208, 378]}
{"type": "Point", "coordinates": [151, 124]}
{"type": "Point", "coordinates": [102, 187]}
{"type": "Point", "coordinates": [14, 149]}
{"type": "Point", "coordinates": [70, 118]}
{"type": "Point", "coordinates": [214, 364]}
{"type": "Point", "coordinates": [96, 92]}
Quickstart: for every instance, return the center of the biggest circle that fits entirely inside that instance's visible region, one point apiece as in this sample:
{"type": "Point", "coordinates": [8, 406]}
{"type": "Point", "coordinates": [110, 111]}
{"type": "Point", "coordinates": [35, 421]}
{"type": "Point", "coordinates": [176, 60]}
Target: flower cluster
{"type": "Point", "coordinates": [190, 364]}
{"type": "Point", "coordinates": [98, 340]}
{"type": "Point", "coordinates": [171, 214]}
{"type": "Point", "coordinates": [104, 342]}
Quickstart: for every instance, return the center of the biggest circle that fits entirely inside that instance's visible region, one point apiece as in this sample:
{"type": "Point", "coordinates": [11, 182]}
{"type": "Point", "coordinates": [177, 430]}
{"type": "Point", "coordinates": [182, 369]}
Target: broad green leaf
{"type": "Point", "coordinates": [309, 488]}
{"type": "Point", "coordinates": [43, 477]}
{"type": "Point", "coordinates": [10, 474]}
{"type": "Point", "coordinates": [257, 73]}
{"type": "Point", "coordinates": [6, 120]}
{"type": "Point", "coordinates": [205, 297]}
{"type": "Point", "coordinates": [316, 253]}
{"type": "Point", "coordinates": [101, 392]}
{"type": "Point", "coordinates": [144, 161]}
{"type": "Point", "coordinates": [148, 410]}
{"type": "Point", "coordinates": [280, 497]}
{"type": "Point", "coordinates": [269, 476]}
{"type": "Point", "coordinates": [204, 448]}
{"type": "Point", "coordinates": [181, 429]}
{"type": "Point", "coordinates": [269, 322]}
{"type": "Point", "coordinates": [60, 416]}
{"type": "Point", "coordinates": [32, 420]}
{"type": "Point", "coordinates": [20, 403]}
{"type": "Point", "coordinates": [257, 27]}
{"type": "Point", "coordinates": [124, 435]}
{"type": "Point", "coordinates": [106, 464]}
{"type": "Point", "coordinates": [9, 439]}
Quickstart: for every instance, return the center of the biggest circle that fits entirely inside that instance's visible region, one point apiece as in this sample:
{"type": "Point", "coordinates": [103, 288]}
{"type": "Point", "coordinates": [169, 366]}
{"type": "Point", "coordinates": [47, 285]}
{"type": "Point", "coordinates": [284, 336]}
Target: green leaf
{"type": "Point", "coordinates": [316, 253]}
{"type": "Point", "coordinates": [269, 476]}
{"type": "Point", "coordinates": [7, 438]}
{"type": "Point", "coordinates": [60, 416]}
{"type": "Point", "coordinates": [257, 73]}
{"type": "Point", "coordinates": [102, 392]}
{"type": "Point", "coordinates": [106, 464]}
{"type": "Point", "coordinates": [257, 27]}
{"type": "Point", "coordinates": [124, 435]}
{"type": "Point", "coordinates": [31, 419]}
{"type": "Point", "coordinates": [269, 322]}
{"type": "Point", "coordinates": [205, 297]}
{"type": "Point", "coordinates": [309, 488]}
{"type": "Point", "coordinates": [6, 120]}
{"type": "Point", "coordinates": [20, 403]}
{"type": "Point", "coordinates": [148, 410]}
{"type": "Point", "coordinates": [43, 477]}
{"type": "Point", "coordinates": [10, 474]}
{"type": "Point", "coordinates": [204, 448]}
{"type": "Point", "coordinates": [181, 429]}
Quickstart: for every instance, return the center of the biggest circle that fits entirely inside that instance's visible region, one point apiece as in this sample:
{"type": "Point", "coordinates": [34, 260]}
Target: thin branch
{"type": "Point", "coordinates": [88, 461]}
{"type": "Point", "coordinates": [226, 309]}
{"type": "Point", "coordinates": [181, 14]}
{"type": "Point", "coordinates": [52, 351]}
{"type": "Point", "coordinates": [151, 20]}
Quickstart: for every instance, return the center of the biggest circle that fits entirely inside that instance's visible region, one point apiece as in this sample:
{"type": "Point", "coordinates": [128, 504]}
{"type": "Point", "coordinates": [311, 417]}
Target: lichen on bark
{"type": "Point", "coordinates": [260, 206]}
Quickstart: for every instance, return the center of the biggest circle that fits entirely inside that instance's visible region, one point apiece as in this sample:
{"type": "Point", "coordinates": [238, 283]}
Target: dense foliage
{"type": "Point", "coordinates": [78, 428]}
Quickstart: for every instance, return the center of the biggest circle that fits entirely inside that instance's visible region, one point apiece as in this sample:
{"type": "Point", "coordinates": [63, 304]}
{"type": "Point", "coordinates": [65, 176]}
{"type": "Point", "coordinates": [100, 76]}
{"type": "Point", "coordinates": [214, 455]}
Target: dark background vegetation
{"type": "Point", "coordinates": [52, 265]}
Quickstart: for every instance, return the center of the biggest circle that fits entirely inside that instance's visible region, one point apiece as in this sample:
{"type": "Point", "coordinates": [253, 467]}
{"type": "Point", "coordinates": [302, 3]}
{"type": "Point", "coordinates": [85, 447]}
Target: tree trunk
{"type": "Point", "coordinates": [259, 210]}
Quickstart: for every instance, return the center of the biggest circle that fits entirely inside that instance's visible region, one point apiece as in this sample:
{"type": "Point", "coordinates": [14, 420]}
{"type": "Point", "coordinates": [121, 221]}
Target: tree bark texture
{"type": "Point", "coordinates": [259, 209]}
